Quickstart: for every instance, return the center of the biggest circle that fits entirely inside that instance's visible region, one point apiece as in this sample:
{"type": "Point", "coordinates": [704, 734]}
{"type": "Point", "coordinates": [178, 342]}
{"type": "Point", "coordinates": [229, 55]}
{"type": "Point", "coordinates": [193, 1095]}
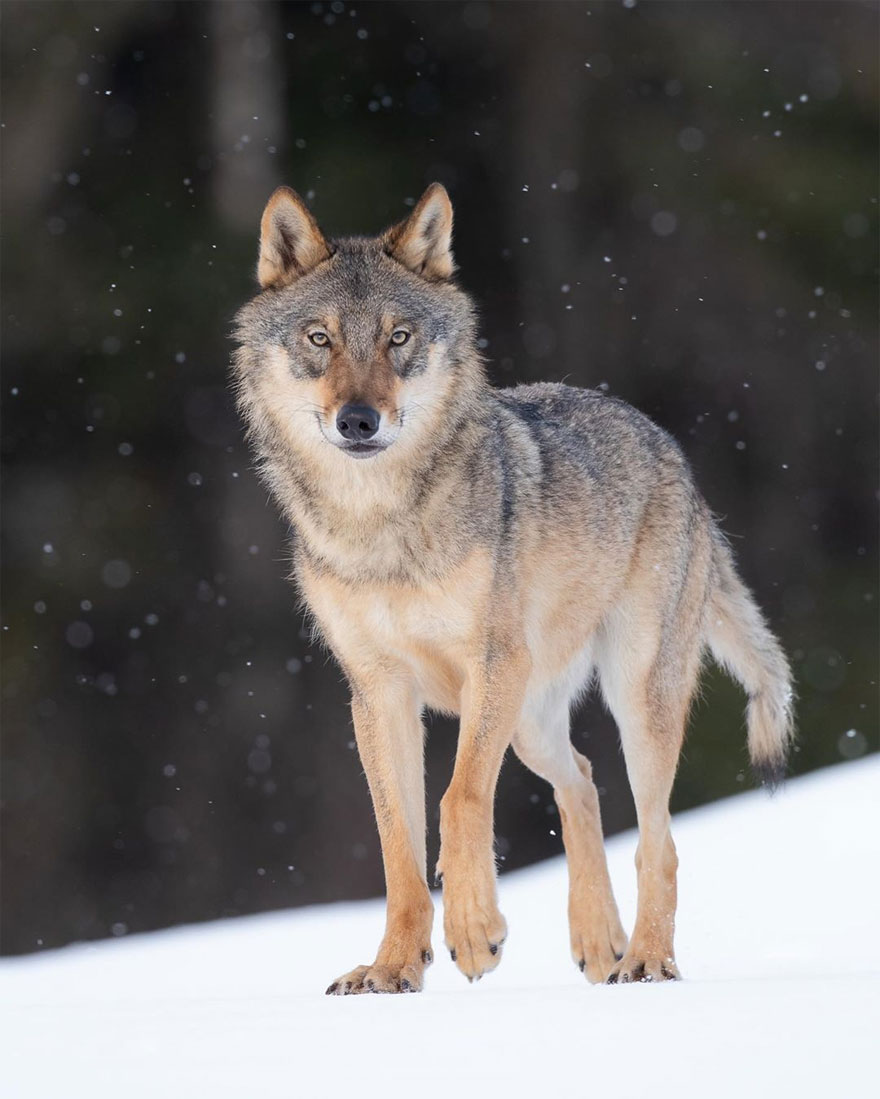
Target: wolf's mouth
{"type": "Point", "coordinates": [363, 450]}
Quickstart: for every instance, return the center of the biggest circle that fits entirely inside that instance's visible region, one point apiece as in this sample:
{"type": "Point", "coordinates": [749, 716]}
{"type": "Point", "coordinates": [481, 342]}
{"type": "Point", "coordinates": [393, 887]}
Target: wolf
{"type": "Point", "coordinates": [487, 553]}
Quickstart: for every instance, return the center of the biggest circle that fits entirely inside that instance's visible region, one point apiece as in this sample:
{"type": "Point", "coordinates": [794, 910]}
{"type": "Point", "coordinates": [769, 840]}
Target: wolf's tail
{"type": "Point", "coordinates": [743, 645]}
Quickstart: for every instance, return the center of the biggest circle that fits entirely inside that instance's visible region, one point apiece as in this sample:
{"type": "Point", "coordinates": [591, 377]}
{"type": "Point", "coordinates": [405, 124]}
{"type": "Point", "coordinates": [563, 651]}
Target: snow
{"type": "Point", "coordinates": [779, 909]}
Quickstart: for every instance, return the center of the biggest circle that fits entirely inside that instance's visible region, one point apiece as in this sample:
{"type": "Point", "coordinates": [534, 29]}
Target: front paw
{"type": "Point", "coordinates": [383, 978]}
{"type": "Point", "coordinates": [598, 941]}
{"type": "Point", "coordinates": [474, 928]}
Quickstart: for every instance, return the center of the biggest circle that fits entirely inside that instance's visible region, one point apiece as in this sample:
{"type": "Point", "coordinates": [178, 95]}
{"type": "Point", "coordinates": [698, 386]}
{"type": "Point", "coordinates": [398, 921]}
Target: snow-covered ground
{"type": "Point", "coordinates": [779, 914]}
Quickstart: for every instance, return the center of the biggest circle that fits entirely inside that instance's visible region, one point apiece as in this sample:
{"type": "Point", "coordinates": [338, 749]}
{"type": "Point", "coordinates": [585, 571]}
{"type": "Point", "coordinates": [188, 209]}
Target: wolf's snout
{"type": "Point", "coordinates": [357, 422]}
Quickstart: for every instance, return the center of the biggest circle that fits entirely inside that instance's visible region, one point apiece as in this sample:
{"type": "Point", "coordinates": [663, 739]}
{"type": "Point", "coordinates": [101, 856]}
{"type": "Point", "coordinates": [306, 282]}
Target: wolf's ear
{"type": "Point", "coordinates": [291, 243]}
{"type": "Point", "coordinates": [423, 242]}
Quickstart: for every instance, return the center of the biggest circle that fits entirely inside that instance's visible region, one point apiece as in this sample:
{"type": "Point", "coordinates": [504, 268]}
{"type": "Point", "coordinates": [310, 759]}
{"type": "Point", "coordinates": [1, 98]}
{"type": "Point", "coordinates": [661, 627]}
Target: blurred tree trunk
{"type": "Point", "coordinates": [248, 109]}
{"type": "Point", "coordinates": [549, 109]}
{"type": "Point", "coordinates": [41, 117]}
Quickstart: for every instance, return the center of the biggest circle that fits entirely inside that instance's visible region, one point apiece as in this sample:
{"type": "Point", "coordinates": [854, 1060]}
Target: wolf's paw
{"type": "Point", "coordinates": [475, 931]}
{"type": "Point", "coordinates": [639, 967]}
{"type": "Point", "coordinates": [382, 978]}
{"type": "Point", "coordinates": [597, 948]}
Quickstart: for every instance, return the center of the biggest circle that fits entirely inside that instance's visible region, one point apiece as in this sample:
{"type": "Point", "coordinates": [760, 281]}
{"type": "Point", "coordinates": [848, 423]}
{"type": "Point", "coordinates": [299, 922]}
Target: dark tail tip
{"type": "Point", "coordinates": [770, 773]}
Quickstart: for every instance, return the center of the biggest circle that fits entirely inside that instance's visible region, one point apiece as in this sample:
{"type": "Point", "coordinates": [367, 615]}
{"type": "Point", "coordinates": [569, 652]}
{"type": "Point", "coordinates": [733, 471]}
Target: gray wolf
{"type": "Point", "coordinates": [487, 553]}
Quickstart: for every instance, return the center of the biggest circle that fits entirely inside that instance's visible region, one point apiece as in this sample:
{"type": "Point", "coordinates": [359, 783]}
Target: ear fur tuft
{"type": "Point", "coordinates": [291, 244]}
{"type": "Point", "coordinates": [423, 242]}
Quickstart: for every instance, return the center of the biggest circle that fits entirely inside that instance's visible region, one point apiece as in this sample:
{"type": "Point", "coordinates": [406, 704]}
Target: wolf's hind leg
{"type": "Point", "coordinates": [651, 712]}
{"type": "Point", "coordinates": [543, 743]}
{"type": "Point", "coordinates": [648, 654]}
{"type": "Point", "coordinates": [389, 736]}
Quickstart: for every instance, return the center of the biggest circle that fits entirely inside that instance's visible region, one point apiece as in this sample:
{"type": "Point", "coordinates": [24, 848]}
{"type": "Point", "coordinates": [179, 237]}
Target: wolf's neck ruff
{"type": "Point", "coordinates": [389, 520]}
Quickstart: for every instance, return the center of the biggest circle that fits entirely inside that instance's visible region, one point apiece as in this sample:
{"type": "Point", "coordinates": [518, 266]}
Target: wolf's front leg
{"type": "Point", "coordinates": [389, 736]}
{"type": "Point", "coordinates": [491, 703]}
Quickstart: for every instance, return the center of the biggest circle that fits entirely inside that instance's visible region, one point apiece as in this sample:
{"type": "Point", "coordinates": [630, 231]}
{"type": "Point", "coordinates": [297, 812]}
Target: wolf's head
{"type": "Point", "coordinates": [357, 348]}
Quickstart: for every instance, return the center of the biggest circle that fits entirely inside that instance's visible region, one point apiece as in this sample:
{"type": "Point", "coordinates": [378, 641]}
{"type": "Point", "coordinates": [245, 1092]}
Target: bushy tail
{"type": "Point", "coordinates": [743, 645]}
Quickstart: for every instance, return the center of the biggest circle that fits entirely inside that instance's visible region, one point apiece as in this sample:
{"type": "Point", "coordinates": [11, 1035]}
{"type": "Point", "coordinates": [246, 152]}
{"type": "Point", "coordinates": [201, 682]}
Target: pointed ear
{"type": "Point", "coordinates": [291, 243]}
{"type": "Point", "coordinates": [423, 242]}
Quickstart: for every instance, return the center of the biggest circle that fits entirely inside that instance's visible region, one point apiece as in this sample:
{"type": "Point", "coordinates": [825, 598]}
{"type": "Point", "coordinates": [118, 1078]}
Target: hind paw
{"type": "Point", "coordinates": [636, 968]}
{"type": "Point", "coordinates": [382, 978]}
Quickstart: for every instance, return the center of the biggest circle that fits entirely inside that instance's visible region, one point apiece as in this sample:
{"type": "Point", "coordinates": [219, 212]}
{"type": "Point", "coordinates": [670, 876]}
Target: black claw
{"type": "Point", "coordinates": [582, 965]}
{"type": "Point", "coordinates": [453, 955]}
{"type": "Point", "coordinates": [405, 986]}
{"type": "Point", "coordinates": [618, 957]}
{"type": "Point", "coordinates": [612, 979]}
{"type": "Point", "coordinates": [369, 985]}
{"type": "Point", "coordinates": [427, 957]}
{"type": "Point", "coordinates": [493, 948]}
{"type": "Point", "coordinates": [332, 989]}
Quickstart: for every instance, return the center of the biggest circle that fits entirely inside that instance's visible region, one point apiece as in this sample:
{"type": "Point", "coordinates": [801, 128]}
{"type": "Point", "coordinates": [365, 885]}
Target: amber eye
{"type": "Point", "coordinates": [399, 337]}
{"type": "Point", "coordinates": [319, 339]}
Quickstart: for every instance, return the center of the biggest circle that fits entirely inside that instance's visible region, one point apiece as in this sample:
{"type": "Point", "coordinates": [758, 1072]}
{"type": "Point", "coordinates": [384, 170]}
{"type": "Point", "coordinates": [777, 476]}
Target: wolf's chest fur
{"type": "Point", "coordinates": [430, 628]}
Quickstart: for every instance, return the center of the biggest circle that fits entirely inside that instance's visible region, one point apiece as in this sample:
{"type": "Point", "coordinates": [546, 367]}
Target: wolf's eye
{"type": "Point", "coordinates": [319, 339]}
{"type": "Point", "coordinates": [399, 337]}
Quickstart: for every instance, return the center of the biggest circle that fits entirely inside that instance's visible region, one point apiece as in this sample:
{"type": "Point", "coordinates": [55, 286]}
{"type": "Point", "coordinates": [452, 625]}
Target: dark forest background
{"type": "Point", "coordinates": [677, 201]}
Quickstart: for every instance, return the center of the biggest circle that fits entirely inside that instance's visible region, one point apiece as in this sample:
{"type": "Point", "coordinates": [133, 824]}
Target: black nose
{"type": "Point", "coordinates": [357, 422]}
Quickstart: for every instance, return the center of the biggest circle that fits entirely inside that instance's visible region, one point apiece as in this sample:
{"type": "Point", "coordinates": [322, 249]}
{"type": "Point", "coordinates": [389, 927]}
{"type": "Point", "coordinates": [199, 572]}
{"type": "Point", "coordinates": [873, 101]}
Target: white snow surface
{"type": "Point", "coordinates": [779, 914]}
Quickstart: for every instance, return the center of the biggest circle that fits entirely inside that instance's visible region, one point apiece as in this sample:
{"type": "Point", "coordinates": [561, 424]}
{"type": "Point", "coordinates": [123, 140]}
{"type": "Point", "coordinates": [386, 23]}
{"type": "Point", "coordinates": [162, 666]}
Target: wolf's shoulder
{"type": "Point", "coordinates": [546, 400]}
{"type": "Point", "coordinates": [552, 406]}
